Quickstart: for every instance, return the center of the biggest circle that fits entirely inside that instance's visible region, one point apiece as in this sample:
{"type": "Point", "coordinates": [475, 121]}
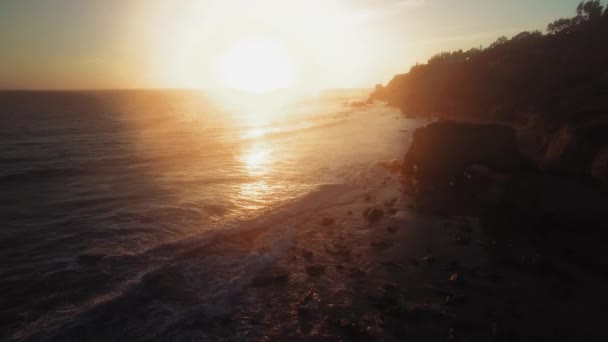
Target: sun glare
{"type": "Point", "coordinates": [256, 65]}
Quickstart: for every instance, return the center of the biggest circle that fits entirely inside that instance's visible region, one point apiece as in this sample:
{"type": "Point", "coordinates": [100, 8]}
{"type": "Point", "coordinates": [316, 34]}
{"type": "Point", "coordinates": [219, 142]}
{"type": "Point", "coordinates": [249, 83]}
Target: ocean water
{"type": "Point", "coordinates": [107, 195]}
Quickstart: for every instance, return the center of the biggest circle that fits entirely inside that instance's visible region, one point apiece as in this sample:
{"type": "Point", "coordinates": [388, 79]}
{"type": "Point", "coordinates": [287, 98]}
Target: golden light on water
{"type": "Point", "coordinates": [256, 159]}
{"type": "Point", "coordinates": [254, 194]}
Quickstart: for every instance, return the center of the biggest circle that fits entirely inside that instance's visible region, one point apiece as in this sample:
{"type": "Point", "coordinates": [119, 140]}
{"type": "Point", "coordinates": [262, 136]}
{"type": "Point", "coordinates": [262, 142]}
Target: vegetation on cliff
{"type": "Point", "coordinates": [560, 76]}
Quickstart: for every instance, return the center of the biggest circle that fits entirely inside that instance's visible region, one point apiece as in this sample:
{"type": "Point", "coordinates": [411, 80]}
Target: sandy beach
{"type": "Point", "coordinates": [406, 276]}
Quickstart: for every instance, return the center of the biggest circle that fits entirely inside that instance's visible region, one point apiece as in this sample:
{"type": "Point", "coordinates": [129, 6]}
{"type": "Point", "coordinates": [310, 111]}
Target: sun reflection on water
{"type": "Point", "coordinates": [256, 162]}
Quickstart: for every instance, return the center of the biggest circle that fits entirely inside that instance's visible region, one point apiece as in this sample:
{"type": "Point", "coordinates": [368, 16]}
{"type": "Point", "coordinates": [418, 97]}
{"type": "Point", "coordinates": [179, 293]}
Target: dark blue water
{"type": "Point", "coordinates": [105, 194]}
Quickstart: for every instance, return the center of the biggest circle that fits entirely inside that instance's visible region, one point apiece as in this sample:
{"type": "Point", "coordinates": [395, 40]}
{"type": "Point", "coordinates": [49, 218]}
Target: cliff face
{"type": "Point", "coordinates": [562, 75]}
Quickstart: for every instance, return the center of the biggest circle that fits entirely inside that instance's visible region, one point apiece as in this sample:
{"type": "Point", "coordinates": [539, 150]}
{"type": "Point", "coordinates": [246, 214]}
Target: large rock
{"type": "Point", "coordinates": [578, 152]}
{"type": "Point", "coordinates": [599, 166]}
{"type": "Point", "coordinates": [442, 151]}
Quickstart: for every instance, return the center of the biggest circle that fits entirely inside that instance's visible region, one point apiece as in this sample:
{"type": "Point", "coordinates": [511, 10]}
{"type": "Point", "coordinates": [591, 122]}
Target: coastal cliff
{"type": "Point", "coordinates": [560, 76]}
{"type": "Point", "coordinates": [551, 88]}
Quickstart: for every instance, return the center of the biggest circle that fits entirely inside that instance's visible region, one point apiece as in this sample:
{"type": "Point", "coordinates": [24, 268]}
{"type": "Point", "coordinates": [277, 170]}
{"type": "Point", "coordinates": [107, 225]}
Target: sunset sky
{"type": "Point", "coordinates": [253, 45]}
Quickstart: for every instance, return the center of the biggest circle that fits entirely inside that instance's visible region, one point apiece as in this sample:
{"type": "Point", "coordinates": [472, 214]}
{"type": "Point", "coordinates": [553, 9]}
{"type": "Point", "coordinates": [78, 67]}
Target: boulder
{"type": "Point", "coordinates": [373, 214]}
{"type": "Point", "coordinates": [577, 152]}
{"type": "Point", "coordinates": [599, 166]}
{"type": "Point", "coordinates": [442, 151]}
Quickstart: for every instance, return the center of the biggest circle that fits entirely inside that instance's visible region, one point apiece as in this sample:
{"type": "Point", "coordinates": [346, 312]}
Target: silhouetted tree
{"type": "Point", "coordinates": [590, 10]}
{"type": "Point", "coordinates": [562, 75]}
{"type": "Point", "coordinates": [560, 26]}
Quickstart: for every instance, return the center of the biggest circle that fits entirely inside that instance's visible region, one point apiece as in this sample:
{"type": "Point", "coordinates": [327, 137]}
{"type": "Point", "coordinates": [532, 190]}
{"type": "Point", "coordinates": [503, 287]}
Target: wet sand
{"type": "Point", "coordinates": [370, 266]}
{"type": "Point", "coordinates": [407, 276]}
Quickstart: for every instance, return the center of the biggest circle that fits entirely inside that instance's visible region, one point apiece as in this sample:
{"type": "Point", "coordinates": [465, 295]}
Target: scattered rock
{"type": "Point", "coordinates": [454, 278]}
{"type": "Point", "coordinates": [381, 244]}
{"type": "Point", "coordinates": [451, 336]}
{"type": "Point", "coordinates": [327, 221]}
{"type": "Point", "coordinates": [391, 203]}
{"type": "Point", "coordinates": [307, 254]}
{"type": "Point", "coordinates": [390, 264]}
{"type": "Point", "coordinates": [373, 214]}
{"type": "Point", "coordinates": [390, 287]}
{"type": "Point", "coordinates": [353, 330]}
{"type": "Point", "coordinates": [462, 239]}
{"type": "Point", "coordinates": [356, 272]}
{"type": "Point", "coordinates": [277, 278]}
{"type": "Point", "coordinates": [315, 270]}
{"type": "Point", "coordinates": [309, 302]}
{"type": "Point", "coordinates": [339, 250]}
{"type": "Point", "coordinates": [429, 259]}
{"type": "Point", "coordinates": [455, 298]}
{"type": "Point", "coordinates": [426, 311]}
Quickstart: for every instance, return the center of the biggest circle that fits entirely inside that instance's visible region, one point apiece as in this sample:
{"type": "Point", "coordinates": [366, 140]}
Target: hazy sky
{"type": "Point", "coordinates": [186, 43]}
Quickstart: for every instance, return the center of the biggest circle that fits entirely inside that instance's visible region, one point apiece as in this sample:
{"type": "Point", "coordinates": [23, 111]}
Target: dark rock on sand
{"type": "Point", "coordinates": [462, 239]}
{"type": "Point", "coordinates": [356, 272]}
{"type": "Point", "coordinates": [599, 166]}
{"type": "Point", "coordinates": [309, 302]}
{"type": "Point", "coordinates": [277, 278]}
{"type": "Point", "coordinates": [426, 311]}
{"type": "Point", "coordinates": [327, 221]}
{"type": "Point", "coordinates": [353, 330]}
{"type": "Point", "coordinates": [339, 249]}
{"type": "Point", "coordinates": [391, 264]}
{"type": "Point", "coordinates": [429, 259]}
{"type": "Point", "coordinates": [315, 270]}
{"type": "Point", "coordinates": [307, 254]}
{"type": "Point", "coordinates": [381, 244]}
{"type": "Point", "coordinates": [373, 214]}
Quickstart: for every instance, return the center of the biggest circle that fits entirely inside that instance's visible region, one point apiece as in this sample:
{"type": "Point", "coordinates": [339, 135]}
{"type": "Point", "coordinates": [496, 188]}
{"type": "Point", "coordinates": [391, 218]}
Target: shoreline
{"type": "Point", "coordinates": [340, 276]}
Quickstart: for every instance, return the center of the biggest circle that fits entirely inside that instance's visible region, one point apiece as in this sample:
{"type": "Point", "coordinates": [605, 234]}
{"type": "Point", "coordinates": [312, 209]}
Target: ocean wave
{"type": "Point", "coordinates": [185, 279]}
{"type": "Point", "coordinates": [41, 174]}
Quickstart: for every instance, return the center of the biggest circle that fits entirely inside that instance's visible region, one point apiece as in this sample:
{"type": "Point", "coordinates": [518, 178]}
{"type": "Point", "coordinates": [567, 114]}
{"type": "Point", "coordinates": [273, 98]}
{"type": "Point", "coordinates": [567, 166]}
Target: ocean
{"type": "Point", "coordinates": [106, 193]}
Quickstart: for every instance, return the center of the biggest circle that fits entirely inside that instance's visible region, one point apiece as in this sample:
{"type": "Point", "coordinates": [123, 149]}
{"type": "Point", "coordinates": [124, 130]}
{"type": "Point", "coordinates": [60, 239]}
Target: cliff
{"type": "Point", "coordinates": [560, 76]}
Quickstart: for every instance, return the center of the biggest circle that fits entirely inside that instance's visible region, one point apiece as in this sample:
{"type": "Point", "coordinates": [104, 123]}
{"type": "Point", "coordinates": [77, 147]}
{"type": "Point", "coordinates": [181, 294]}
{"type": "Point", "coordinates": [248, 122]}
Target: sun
{"type": "Point", "coordinates": [256, 65]}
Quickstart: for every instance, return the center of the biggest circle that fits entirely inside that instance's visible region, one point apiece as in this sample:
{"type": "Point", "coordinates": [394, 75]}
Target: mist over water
{"type": "Point", "coordinates": [91, 175]}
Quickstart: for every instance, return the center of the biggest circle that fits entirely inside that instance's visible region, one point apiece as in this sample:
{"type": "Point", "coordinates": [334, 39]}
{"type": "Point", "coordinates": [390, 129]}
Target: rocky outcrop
{"type": "Point", "coordinates": [579, 153]}
{"type": "Point", "coordinates": [599, 166]}
{"type": "Point", "coordinates": [480, 168]}
{"type": "Point", "coordinates": [442, 151]}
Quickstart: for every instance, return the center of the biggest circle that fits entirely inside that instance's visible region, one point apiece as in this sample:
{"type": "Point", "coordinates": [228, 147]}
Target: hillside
{"type": "Point", "coordinates": [560, 76]}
